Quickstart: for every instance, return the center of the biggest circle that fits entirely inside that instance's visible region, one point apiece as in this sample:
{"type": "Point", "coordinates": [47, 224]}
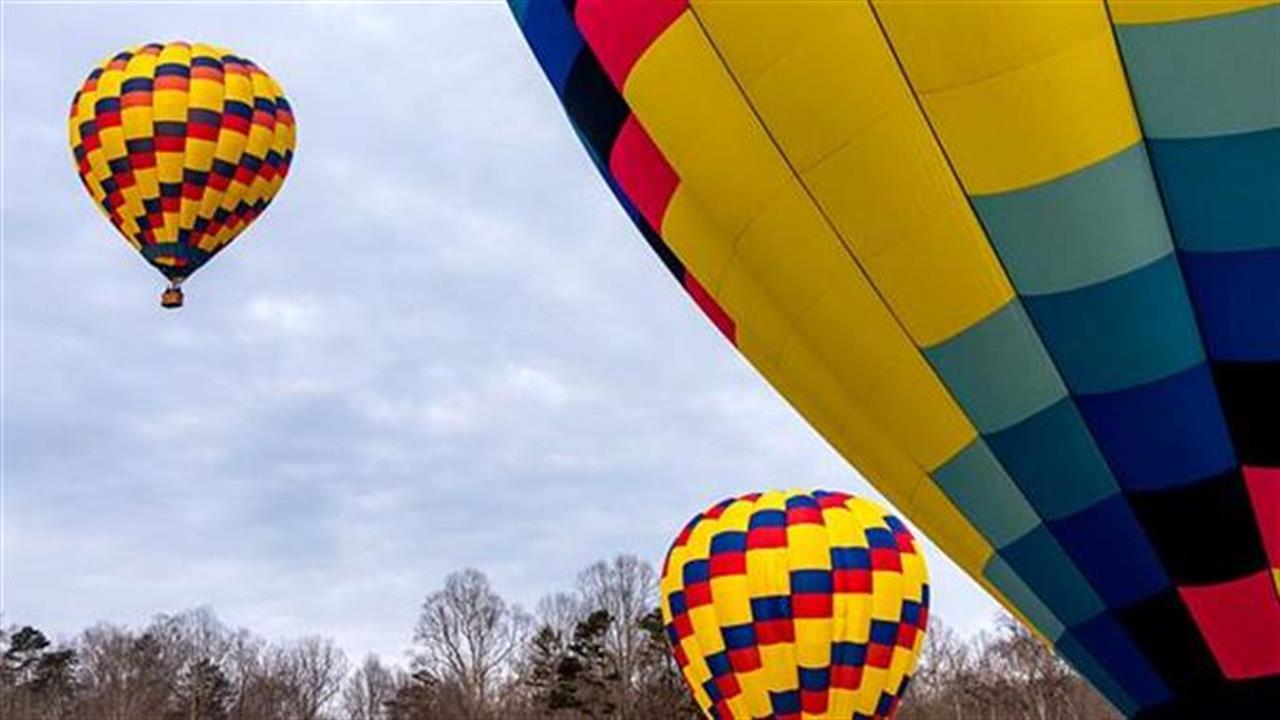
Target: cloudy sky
{"type": "Point", "coordinates": [443, 346]}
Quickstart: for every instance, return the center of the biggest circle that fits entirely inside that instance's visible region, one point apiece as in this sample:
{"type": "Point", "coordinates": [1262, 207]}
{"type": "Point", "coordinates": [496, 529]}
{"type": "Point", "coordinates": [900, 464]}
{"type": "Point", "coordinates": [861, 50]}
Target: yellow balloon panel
{"type": "Point", "coordinates": [864, 155]}
{"type": "Point", "coordinates": [947, 44]}
{"type": "Point", "coordinates": [782, 246]}
{"type": "Point", "coordinates": [1054, 102]}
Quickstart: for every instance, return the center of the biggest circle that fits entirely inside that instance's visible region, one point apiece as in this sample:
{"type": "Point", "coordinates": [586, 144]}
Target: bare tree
{"type": "Point", "coordinates": [123, 675]}
{"type": "Point", "coordinates": [311, 669]}
{"type": "Point", "coordinates": [257, 693]}
{"type": "Point", "coordinates": [466, 635]}
{"type": "Point", "coordinates": [625, 588]}
{"type": "Point", "coordinates": [561, 612]}
{"type": "Point", "coordinates": [192, 635]}
{"type": "Point", "coordinates": [368, 691]}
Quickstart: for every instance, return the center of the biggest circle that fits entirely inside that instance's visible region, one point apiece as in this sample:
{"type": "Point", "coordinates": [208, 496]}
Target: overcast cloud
{"type": "Point", "coordinates": [444, 345]}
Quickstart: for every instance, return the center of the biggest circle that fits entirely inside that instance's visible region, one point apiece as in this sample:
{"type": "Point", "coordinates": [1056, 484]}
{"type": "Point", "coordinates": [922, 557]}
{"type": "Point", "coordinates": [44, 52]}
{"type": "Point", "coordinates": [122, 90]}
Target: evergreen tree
{"type": "Point", "coordinates": [24, 651]}
{"type": "Point", "coordinates": [585, 672]}
{"type": "Point", "coordinates": [546, 652]}
{"type": "Point", "coordinates": [35, 680]}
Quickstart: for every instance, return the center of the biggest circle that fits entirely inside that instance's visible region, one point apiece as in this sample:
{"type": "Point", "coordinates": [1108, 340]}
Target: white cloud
{"type": "Point", "coordinates": [535, 384]}
{"type": "Point", "coordinates": [285, 316]}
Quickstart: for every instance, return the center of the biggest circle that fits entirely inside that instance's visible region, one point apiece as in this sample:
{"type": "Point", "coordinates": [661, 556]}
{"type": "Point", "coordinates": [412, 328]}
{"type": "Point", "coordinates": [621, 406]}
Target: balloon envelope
{"type": "Point", "coordinates": [783, 604]}
{"type": "Point", "coordinates": [1018, 262]}
{"type": "Point", "coordinates": [181, 146]}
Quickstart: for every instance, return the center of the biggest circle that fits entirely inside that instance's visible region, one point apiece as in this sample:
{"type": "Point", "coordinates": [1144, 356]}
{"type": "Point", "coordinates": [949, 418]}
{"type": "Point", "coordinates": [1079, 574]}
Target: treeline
{"type": "Point", "coordinates": [596, 652]}
{"type": "Point", "coordinates": [180, 666]}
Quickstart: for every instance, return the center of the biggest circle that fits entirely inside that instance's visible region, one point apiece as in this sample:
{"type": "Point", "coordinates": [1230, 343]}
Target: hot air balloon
{"type": "Point", "coordinates": [182, 146]}
{"type": "Point", "coordinates": [1018, 262]}
{"type": "Point", "coordinates": [796, 604]}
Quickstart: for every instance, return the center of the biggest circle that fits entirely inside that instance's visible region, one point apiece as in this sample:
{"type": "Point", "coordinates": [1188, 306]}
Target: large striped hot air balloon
{"type": "Point", "coordinates": [1019, 262]}
{"type": "Point", "coordinates": [796, 604]}
{"type": "Point", "coordinates": [181, 146]}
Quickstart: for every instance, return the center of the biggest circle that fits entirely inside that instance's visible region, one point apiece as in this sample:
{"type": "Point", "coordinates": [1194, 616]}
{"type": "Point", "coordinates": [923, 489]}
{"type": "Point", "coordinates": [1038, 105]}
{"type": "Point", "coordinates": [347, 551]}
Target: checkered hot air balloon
{"type": "Point", "coordinates": [1018, 262]}
{"type": "Point", "coordinates": [182, 146]}
{"type": "Point", "coordinates": [796, 604]}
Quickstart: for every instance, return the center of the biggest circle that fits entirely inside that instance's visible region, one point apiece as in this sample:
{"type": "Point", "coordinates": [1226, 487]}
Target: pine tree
{"type": "Point", "coordinates": [546, 652]}
{"type": "Point", "coordinates": [585, 673]}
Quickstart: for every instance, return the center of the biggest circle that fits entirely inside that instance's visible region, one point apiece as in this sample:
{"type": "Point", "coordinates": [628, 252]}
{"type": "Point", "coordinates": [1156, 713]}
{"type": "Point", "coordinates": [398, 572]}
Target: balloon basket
{"type": "Point", "coordinates": [171, 298]}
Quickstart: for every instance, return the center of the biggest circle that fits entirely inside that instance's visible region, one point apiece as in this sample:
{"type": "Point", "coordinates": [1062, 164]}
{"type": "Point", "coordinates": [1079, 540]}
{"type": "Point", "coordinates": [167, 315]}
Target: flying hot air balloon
{"type": "Point", "coordinates": [1018, 262]}
{"type": "Point", "coordinates": [182, 146]}
{"type": "Point", "coordinates": [796, 604]}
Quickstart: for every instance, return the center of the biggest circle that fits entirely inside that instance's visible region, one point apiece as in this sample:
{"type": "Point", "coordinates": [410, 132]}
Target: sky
{"type": "Point", "coordinates": [443, 346]}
